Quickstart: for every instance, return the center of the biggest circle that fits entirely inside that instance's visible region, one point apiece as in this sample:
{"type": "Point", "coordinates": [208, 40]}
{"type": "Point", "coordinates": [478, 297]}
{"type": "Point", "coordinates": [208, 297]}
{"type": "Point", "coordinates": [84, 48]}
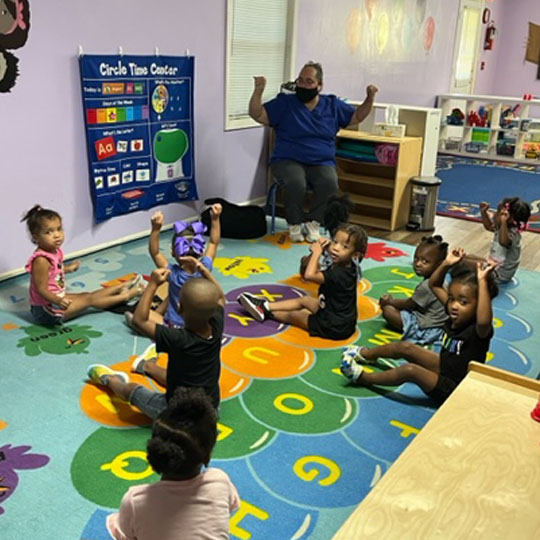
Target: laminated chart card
{"type": "Point", "coordinates": [139, 128]}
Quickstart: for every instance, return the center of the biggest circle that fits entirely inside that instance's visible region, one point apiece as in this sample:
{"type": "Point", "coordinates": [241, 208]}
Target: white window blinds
{"type": "Point", "coordinates": [259, 38]}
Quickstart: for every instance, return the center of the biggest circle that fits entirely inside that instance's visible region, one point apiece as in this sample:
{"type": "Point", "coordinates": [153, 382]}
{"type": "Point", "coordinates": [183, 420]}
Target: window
{"type": "Point", "coordinates": [260, 39]}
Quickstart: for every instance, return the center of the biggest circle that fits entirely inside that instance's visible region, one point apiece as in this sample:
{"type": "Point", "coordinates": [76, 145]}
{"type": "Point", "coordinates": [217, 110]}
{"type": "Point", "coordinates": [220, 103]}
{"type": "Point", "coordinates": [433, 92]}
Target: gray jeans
{"type": "Point", "coordinates": [294, 178]}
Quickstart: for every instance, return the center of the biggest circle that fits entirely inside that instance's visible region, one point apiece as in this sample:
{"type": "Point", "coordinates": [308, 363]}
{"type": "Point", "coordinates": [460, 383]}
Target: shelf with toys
{"type": "Point", "coordinates": [491, 127]}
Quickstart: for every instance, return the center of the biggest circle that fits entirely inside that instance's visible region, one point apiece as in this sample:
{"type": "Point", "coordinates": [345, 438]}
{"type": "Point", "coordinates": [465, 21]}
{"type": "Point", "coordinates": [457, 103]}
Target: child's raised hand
{"type": "Point", "coordinates": [319, 246]}
{"type": "Point", "coordinates": [484, 268]}
{"type": "Point", "coordinates": [455, 255]}
{"type": "Point", "coordinates": [386, 300]}
{"type": "Point", "coordinates": [157, 221]}
{"type": "Point", "coordinates": [484, 206]}
{"type": "Point", "coordinates": [215, 210]}
{"type": "Point", "coordinates": [504, 215]}
{"type": "Point", "coordinates": [159, 275]}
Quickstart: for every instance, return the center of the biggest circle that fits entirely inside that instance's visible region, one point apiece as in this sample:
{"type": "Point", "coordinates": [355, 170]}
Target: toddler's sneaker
{"type": "Point", "coordinates": [351, 370]}
{"type": "Point", "coordinates": [149, 355]}
{"type": "Point", "coordinates": [312, 231]}
{"type": "Point", "coordinates": [99, 374]}
{"type": "Point", "coordinates": [295, 233]}
{"type": "Point", "coordinates": [352, 352]}
{"type": "Point", "coordinates": [256, 307]}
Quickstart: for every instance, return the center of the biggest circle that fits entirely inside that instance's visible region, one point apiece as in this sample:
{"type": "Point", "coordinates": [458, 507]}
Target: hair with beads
{"type": "Point", "coordinates": [183, 435]}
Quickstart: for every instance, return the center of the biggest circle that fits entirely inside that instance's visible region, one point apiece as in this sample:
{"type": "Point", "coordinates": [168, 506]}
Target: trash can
{"type": "Point", "coordinates": [424, 190]}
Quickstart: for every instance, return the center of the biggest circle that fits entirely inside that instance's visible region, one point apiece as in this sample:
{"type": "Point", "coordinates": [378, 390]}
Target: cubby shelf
{"type": "Point", "coordinates": [452, 135]}
{"type": "Point", "coordinates": [380, 193]}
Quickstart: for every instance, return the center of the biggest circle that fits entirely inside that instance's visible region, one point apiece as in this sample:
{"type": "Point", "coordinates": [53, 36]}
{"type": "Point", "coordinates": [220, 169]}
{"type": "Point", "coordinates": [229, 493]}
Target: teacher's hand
{"type": "Point", "coordinates": [260, 84]}
{"type": "Point", "coordinates": [371, 90]}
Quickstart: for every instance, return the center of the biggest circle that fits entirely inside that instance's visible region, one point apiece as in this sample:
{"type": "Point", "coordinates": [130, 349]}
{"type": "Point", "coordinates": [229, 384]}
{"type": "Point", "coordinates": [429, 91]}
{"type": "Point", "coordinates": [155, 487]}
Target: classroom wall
{"type": "Point", "coordinates": [384, 42]}
{"type": "Point", "coordinates": [43, 155]}
{"type": "Point", "coordinates": [514, 76]}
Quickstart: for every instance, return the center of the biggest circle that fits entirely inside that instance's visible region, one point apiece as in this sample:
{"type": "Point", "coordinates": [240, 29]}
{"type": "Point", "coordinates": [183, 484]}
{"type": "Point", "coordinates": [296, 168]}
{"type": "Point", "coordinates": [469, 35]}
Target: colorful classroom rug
{"type": "Point", "coordinates": [466, 182]}
{"type": "Point", "coordinates": [302, 446]}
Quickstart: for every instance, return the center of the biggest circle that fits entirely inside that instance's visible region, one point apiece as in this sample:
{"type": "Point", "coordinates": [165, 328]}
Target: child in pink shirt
{"type": "Point", "coordinates": [186, 502]}
{"type": "Point", "coordinates": [50, 304]}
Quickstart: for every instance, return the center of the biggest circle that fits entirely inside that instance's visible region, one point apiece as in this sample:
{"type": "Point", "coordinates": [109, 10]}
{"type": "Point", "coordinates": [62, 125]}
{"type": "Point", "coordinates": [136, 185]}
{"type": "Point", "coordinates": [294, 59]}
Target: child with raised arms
{"type": "Point", "coordinates": [333, 315]}
{"type": "Point", "coordinates": [507, 224]}
{"type": "Point", "coordinates": [194, 349]}
{"type": "Point", "coordinates": [467, 335]}
{"type": "Point", "coordinates": [50, 303]}
{"type": "Point", "coordinates": [187, 241]}
{"type": "Point", "coordinates": [190, 500]}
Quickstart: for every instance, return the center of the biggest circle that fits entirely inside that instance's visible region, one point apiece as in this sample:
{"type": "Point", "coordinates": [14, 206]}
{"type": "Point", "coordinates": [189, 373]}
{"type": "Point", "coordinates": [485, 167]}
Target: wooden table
{"type": "Point", "coordinates": [472, 472]}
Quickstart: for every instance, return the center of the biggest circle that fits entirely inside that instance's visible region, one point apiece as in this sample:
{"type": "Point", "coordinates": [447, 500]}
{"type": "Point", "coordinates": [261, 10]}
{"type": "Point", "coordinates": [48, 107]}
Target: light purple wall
{"type": "Point", "coordinates": [43, 156]}
{"type": "Point", "coordinates": [403, 70]}
{"type": "Point", "coordinates": [485, 79]}
{"type": "Point", "coordinates": [513, 76]}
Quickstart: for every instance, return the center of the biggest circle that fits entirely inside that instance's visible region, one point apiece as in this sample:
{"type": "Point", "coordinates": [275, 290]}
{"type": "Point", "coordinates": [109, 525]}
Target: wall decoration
{"type": "Point", "coordinates": [354, 29]}
{"type": "Point", "coordinates": [14, 28]}
{"type": "Point", "coordinates": [139, 129]}
{"type": "Point", "coordinates": [532, 53]}
{"type": "Point", "coordinates": [429, 33]}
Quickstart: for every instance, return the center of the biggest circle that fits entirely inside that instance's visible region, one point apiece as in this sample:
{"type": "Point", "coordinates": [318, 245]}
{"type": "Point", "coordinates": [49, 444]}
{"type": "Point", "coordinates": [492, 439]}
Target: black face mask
{"type": "Point", "coordinates": [306, 94]}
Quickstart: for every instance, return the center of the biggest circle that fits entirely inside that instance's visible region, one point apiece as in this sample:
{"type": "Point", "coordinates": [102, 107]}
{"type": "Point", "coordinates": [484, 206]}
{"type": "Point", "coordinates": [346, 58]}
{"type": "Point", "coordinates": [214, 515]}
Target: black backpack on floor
{"type": "Point", "coordinates": [237, 221]}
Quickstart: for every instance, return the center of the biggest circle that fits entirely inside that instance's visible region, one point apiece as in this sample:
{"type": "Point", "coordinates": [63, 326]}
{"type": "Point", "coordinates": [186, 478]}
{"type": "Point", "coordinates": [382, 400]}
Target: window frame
{"type": "Point", "coordinates": [289, 70]}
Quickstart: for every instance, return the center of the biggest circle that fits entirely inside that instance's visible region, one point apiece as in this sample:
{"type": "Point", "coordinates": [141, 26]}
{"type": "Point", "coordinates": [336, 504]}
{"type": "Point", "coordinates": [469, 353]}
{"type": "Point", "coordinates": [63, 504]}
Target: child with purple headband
{"type": "Point", "coordinates": [188, 241]}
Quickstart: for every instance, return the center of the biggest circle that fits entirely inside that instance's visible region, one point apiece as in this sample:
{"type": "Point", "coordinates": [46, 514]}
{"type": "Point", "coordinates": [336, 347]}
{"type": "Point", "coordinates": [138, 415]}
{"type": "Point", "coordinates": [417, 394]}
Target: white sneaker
{"type": "Point", "coordinates": [295, 233]}
{"type": "Point", "coordinates": [312, 229]}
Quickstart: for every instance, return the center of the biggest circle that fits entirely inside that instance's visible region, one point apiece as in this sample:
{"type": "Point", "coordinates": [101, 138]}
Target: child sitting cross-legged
{"type": "Point", "coordinates": [467, 335]}
{"type": "Point", "coordinates": [194, 350]}
{"type": "Point", "coordinates": [188, 501]}
{"type": "Point", "coordinates": [421, 318]}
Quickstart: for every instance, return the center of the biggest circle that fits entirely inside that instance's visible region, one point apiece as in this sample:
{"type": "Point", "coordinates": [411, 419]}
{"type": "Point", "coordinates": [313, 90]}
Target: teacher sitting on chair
{"type": "Point", "coordinates": [305, 125]}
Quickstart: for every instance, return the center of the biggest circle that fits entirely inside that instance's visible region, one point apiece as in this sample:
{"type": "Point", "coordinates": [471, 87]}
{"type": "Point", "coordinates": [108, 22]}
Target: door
{"type": "Point", "coordinates": [466, 46]}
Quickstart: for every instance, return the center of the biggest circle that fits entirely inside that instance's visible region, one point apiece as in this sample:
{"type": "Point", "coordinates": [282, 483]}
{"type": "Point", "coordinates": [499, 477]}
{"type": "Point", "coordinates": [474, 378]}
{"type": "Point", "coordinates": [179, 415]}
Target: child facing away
{"type": "Point", "coordinates": [421, 318]}
{"type": "Point", "coordinates": [506, 223]}
{"type": "Point", "coordinates": [333, 315]}
{"type": "Point", "coordinates": [188, 501]}
{"type": "Point", "coordinates": [467, 335]}
{"type": "Point", "coordinates": [194, 350]}
{"type": "Point", "coordinates": [187, 241]}
{"type": "Point", "coordinates": [50, 304]}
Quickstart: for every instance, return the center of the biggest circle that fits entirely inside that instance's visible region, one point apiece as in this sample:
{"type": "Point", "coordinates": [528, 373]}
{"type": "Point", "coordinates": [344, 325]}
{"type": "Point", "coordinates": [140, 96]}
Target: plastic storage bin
{"type": "Point", "coordinates": [424, 191]}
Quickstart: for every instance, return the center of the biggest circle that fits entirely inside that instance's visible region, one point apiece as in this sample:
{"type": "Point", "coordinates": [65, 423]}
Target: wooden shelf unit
{"type": "Point", "coordinates": [380, 193]}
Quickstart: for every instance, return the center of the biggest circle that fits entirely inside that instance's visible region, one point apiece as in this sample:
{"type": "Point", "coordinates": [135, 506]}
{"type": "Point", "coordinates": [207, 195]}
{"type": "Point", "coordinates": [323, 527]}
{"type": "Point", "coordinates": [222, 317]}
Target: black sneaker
{"type": "Point", "coordinates": [256, 307]}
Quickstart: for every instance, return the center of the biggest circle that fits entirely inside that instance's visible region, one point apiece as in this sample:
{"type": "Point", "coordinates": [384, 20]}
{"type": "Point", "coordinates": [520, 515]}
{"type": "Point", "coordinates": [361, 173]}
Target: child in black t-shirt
{"type": "Point", "coordinates": [333, 315]}
{"type": "Point", "coordinates": [467, 334]}
{"type": "Point", "coordinates": [194, 351]}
